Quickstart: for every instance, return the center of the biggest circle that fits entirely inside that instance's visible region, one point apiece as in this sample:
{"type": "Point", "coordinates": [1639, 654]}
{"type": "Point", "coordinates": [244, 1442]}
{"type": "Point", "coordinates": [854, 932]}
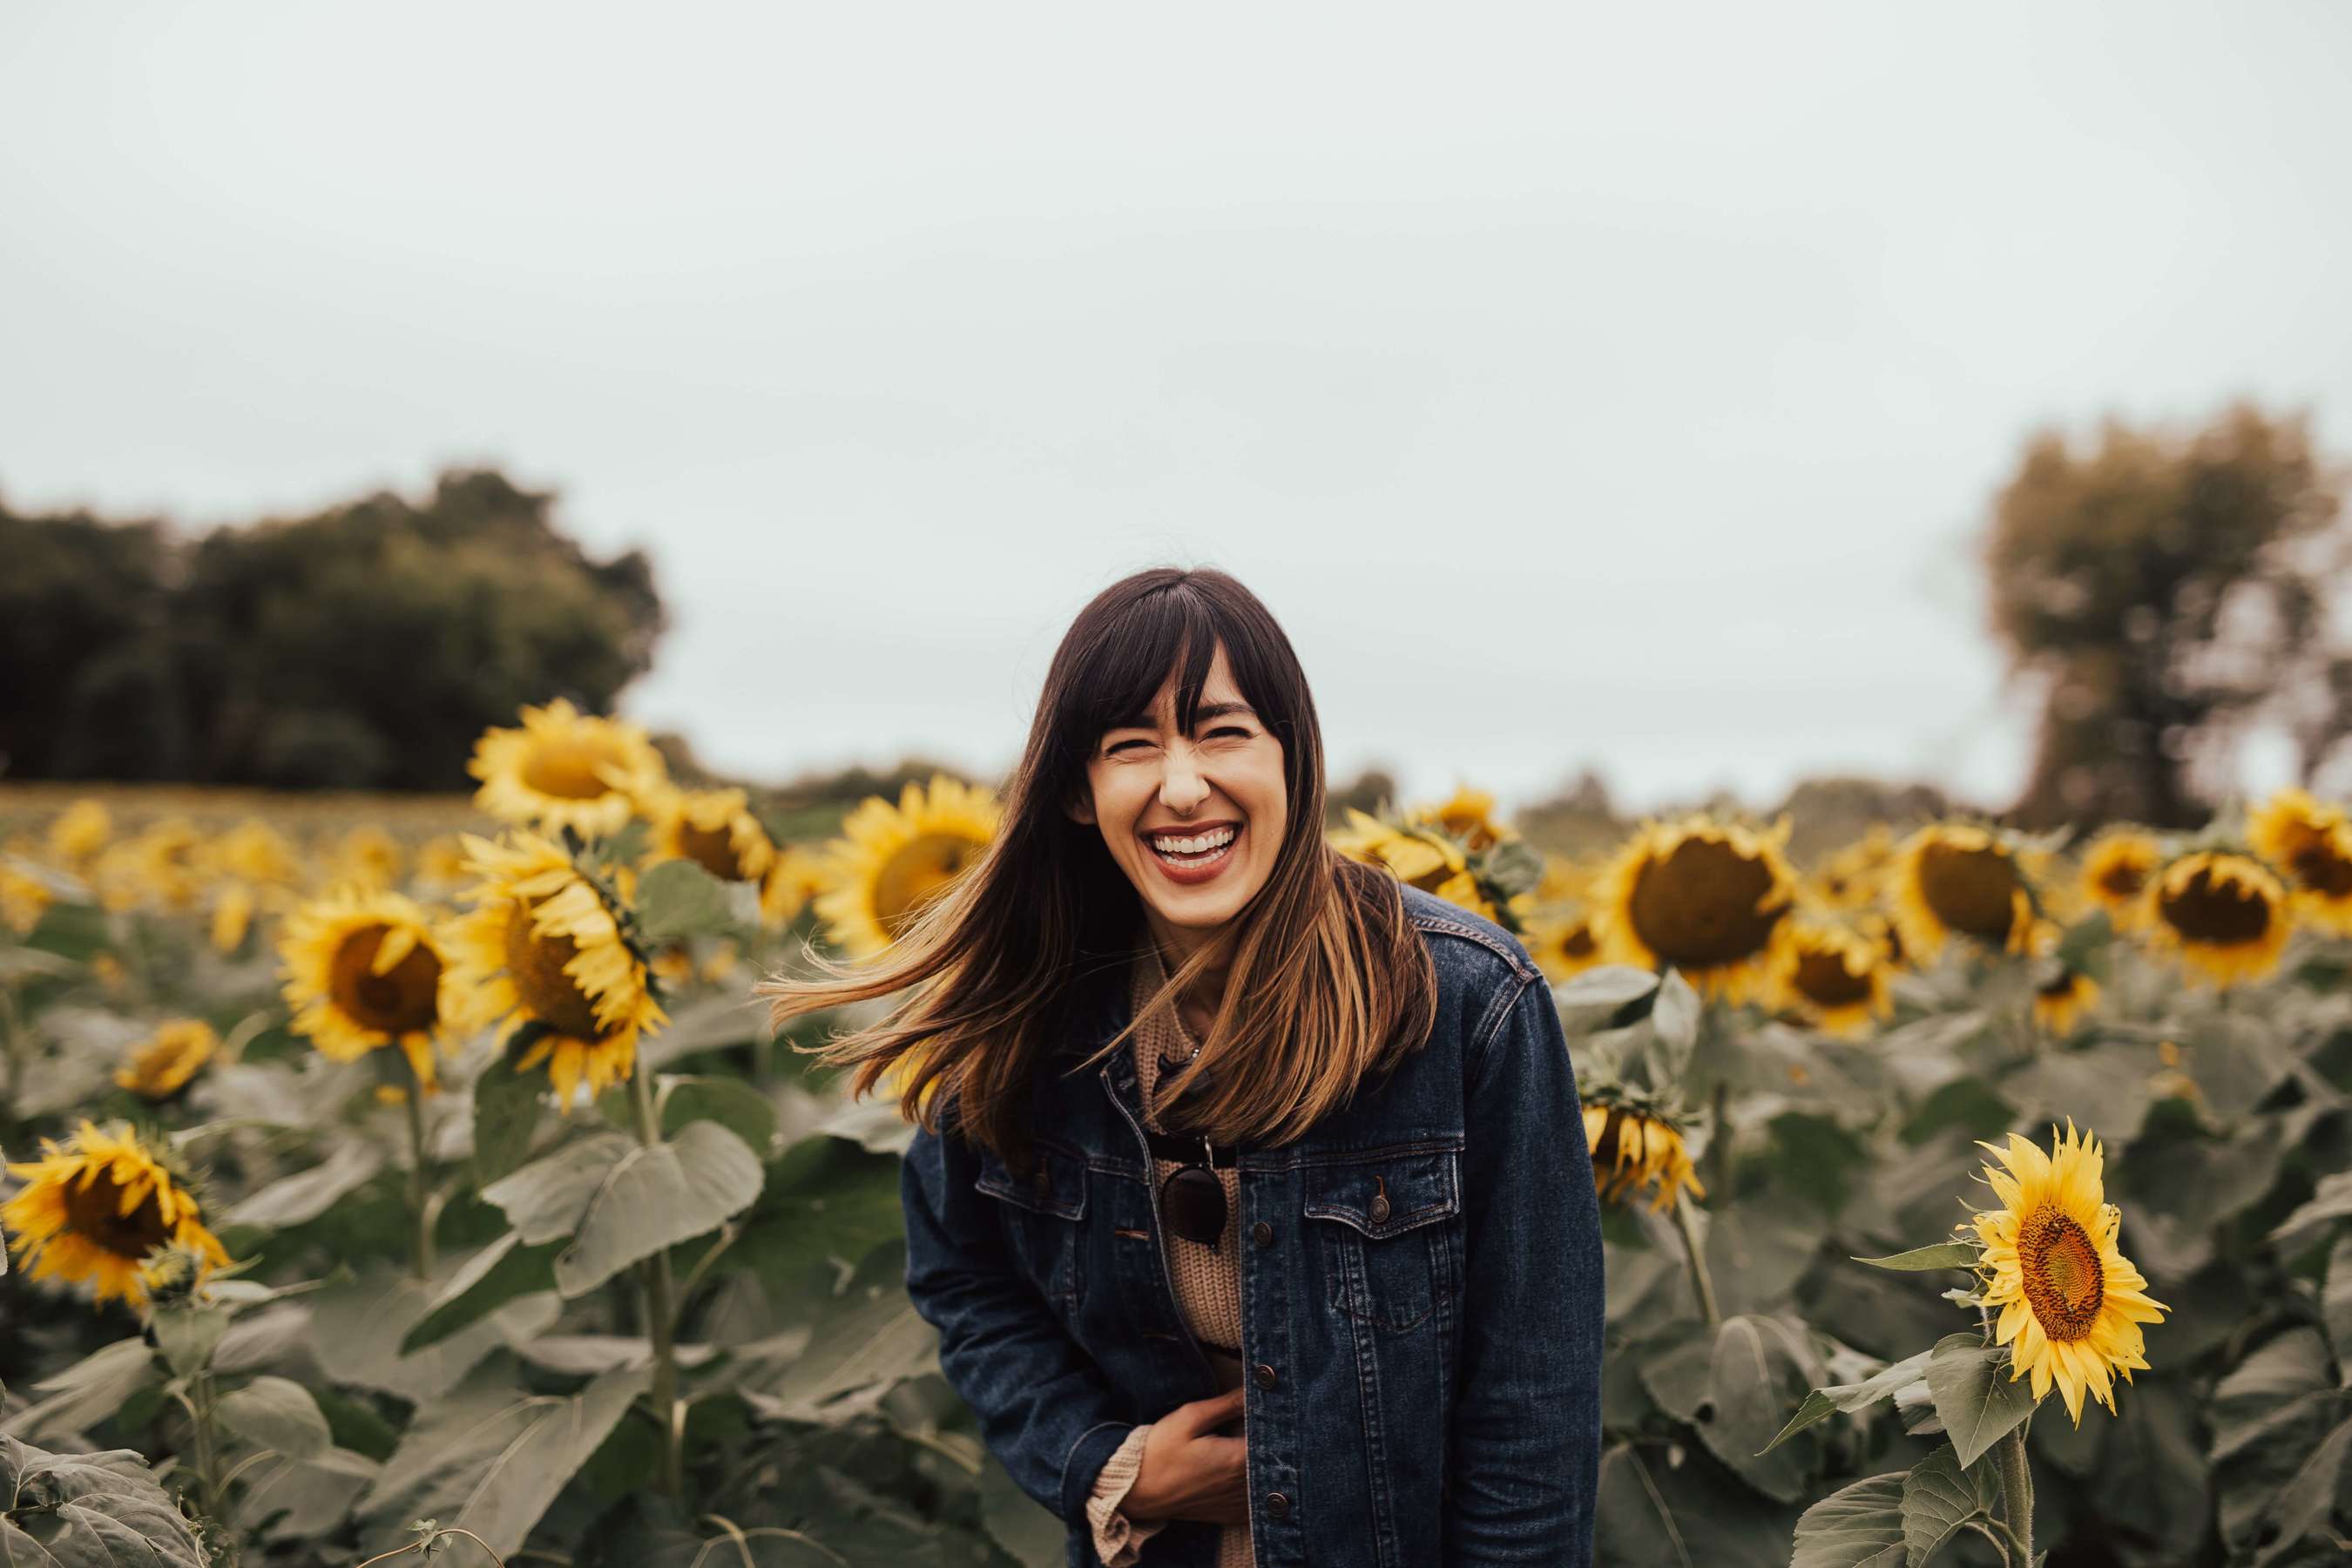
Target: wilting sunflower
{"type": "Point", "coordinates": [1562, 944]}
{"type": "Point", "coordinates": [1423, 856]}
{"type": "Point", "coordinates": [2312, 841]}
{"type": "Point", "coordinates": [1955, 877]}
{"type": "Point", "coordinates": [2116, 869]}
{"type": "Point", "coordinates": [174, 1054]}
{"type": "Point", "coordinates": [891, 860]}
{"type": "Point", "coordinates": [365, 970]}
{"type": "Point", "coordinates": [2062, 993]}
{"type": "Point", "coordinates": [795, 875]}
{"type": "Point", "coordinates": [2071, 1305]}
{"type": "Point", "coordinates": [93, 1208]}
{"type": "Point", "coordinates": [80, 831]}
{"type": "Point", "coordinates": [1852, 877]}
{"type": "Point", "coordinates": [542, 948]}
{"type": "Point", "coordinates": [715, 829]}
{"type": "Point", "coordinates": [1469, 816]}
{"type": "Point", "coordinates": [1710, 898]}
{"type": "Point", "coordinates": [1832, 976]}
{"type": "Point", "coordinates": [565, 769]}
{"type": "Point", "coordinates": [2224, 914]}
{"type": "Point", "coordinates": [1633, 1152]}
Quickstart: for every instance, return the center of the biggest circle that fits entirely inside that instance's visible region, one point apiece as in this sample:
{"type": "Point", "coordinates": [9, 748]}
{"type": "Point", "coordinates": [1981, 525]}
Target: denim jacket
{"type": "Point", "coordinates": [1420, 1287]}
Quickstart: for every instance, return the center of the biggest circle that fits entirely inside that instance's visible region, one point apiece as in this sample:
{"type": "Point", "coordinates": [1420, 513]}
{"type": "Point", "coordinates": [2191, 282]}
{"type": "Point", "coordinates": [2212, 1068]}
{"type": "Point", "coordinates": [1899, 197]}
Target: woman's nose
{"type": "Point", "coordinates": [1181, 784]}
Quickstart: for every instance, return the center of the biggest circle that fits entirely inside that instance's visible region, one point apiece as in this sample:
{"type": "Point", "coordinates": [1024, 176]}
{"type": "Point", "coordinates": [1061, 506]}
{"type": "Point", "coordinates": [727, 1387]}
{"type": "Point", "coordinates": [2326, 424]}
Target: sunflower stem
{"type": "Point", "coordinates": [2017, 1492]}
{"type": "Point", "coordinates": [1718, 1145]}
{"type": "Point", "coordinates": [420, 1214]}
{"type": "Point", "coordinates": [11, 1036]}
{"type": "Point", "coordinates": [661, 1313]}
{"type": "Point", "coordinates": [1695, 1256]}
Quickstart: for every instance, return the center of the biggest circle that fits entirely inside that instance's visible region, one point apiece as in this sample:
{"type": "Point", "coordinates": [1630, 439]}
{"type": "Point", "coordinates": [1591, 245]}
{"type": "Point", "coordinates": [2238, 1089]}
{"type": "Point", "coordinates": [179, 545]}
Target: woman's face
{"type": "Point", "coordinates": [1195, 821]}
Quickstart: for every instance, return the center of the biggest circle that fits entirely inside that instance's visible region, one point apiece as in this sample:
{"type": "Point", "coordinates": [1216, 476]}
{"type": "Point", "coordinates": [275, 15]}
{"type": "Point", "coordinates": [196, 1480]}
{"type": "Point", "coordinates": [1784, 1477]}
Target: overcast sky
{"type": "Point", "coordinates": [1623, 388]}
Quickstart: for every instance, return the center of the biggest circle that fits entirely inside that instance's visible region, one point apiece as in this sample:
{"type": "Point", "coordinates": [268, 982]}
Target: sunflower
{"type": "Point", "coordinates": [715, 829]}
{"type": "Point", "coordinates": [2224, 914]}
{"type": "Point", "coordinates": [1881, 931]}
{"type": "Point", "coordinates": [2062, 993]}
{"type": "Point", "coordinates": [441, 862]}
{"type": "Point", "coordinates": [1834, 976]}
{"type": "Point", "coordinates": [2313, 842]}
{"type": "Point", "coordinates": [160, 868]}
{"type": "Point", "coordinates": [543, 949]}
{"type": "Point", "coordinates": [94, 1208]}
{"type": "Point", "coordinates": [1563, 881]}
{"type": "Point", "coordinates": [892, 860]}
{"type": "Point", "coordinates": [1421, 854]}
{"type": "Point", "coordinates": [1852, 877]}
{"type": "Point", "coordinates": [1563, 945]}
{"type": "Point", "coordinates": [565, 769]}
{"type": "Point", "coordinates": [2070, 1304]}
{"type": "Point", "coordinates": [1469, 816]}
{"type": "Point", "coordinates": [232, 916]}
{"type": "Point", "coordinates": [22, 899]}
{"type": "Point", "coordinates": [795, 875]}
{"type": "Point", "coordinates": [254, 851]}
{"type": "Point", "coordinates": [365, 970]}
{"type": "Point", "coordinates": [80, 831]}
{"type": "Point", "coordinates": [2116, 869]}
{"type": "Point", "coordinates": [162, 1066]}
{"type": "Point", "coordinates": [1633, 1151]}
{"type": "Point", "coordinates": [1709, 898]}
{"type": "Point", "coordinates": [1955, 877]}
{"type": "Point", "coordinates": [366, 857]}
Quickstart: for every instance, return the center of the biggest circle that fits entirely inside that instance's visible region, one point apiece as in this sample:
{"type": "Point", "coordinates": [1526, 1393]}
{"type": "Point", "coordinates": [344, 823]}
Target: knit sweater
{"type": "Point", "coordinates": [1207, 1290]}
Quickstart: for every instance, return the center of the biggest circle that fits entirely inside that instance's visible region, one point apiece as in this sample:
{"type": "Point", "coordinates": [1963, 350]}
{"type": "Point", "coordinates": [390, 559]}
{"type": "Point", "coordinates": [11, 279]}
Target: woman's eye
{"type": "Point", "coordinates": [1231, 730]}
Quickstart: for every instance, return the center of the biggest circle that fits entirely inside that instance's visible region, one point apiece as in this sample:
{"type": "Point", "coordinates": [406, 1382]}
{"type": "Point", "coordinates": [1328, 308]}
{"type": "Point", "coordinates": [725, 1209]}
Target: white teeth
{"type": "Point", "coordinates": [1217, 838]}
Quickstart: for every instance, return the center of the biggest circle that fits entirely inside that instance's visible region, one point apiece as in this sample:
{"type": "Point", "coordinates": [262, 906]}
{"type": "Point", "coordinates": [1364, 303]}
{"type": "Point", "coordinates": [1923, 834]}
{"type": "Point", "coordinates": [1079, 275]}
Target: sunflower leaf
{"type": "Point", "coordinates": [2336, 1303]}
{"type": "Point", "coordinates": [1859, 1526]}
{"type": "Point", "coordinates": [1607, 986]}
{"type": "Point", "coordinates": [90, 1390]}
{"type": "Point", "coordinates": [89, 1511]}
{"type": "Point", "coordinates": [1940, 1499]}
{"type": "Point", "coordinates": [276, 1412]}
{"type": "Point", "coordinates": [2331, 1199]}
{"type": "Point", "coordinates": [1976, 1398]}
{"type": "Point", "coordinates": [1943, 1255]}
{"type": "Point", "coordinates": [496, 1275]}
{"type": "Point", "coordinates": [548, 1198]}
{"type": "Point", "coordinates": [655, 1196]}
{"type": "Point", "coordinates": [186, 1334]}
{"type": "Point", "coordinates": [506, 1114]}
{"type": "Point", "coordinates": [1853, 1397]}
{"type": "Point", "coordinates": [677, 900]}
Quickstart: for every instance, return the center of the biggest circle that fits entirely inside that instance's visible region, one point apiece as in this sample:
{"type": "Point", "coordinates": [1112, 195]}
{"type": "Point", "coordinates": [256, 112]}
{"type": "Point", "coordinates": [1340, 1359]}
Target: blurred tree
{"type": "Point", "coordinates": [2167, 588]}
{"type": "Point", "coordinates": [366, 647]}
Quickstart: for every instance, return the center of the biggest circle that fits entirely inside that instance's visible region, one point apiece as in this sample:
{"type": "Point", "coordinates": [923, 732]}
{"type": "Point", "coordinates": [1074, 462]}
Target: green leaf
{"type": "Point", "coordinates": [506, 1116]}
{"type": "Point", "coordinates": [89, 1511]}
{"type": "Point", "coordinates": [1943, 1255]}
{"type": "Point", "coordinates": [1757, 1364]}
{"type": "Point", "coordinates": [548, 1198]}
{"type": "Point", "coordinates": [1674, 1016]}
{"type": "Point", "coordinates": [187, 1334]}
{"type": "Point", "coordinates": [1859, 1526]}
{"type": "Point", "coordinates": [827, 1199]}
{"type": "Point", "coordinates": [677, 900]}
{"type": "Point", "coordinates": [1976, 1399]}
{"type": "Point", "coordinates": [2336, 1302]}
{"type": "Point", "coordinates": [302, 1198]}
{"type": "Point", "coordinates": [299, 1499]}
{"type": "Point", "coordinates": [1662, 1506]}
{"type": "Point", "coordinates": [1853, 1397]}
{"type": "Point", "coordinates": [492, 1276]}
{"type": "Point", "coordinates": [490, 1461]}
{"type": "Point", "coordinates": [88, 1391]}
{"type": "Point", "coordinates": [654, 1197]}
{"type": "Point", "coordinates": [2304, 1507]}
{"type": "Point", "coordinates": [861, 1343]}
{"type": "Point", "coordinates": [733, 1103]}
{"type": "Point", "coordinates": [358, 1328]}
{"type": "Point", "coordinates": [1605, 985]}
{"type": "Point", "coordinates": [278, 1414]}
{"type": "Point", "coordinates": [2331, 1199]}
{"type": "Point", "coordinates": [1940, 1499]}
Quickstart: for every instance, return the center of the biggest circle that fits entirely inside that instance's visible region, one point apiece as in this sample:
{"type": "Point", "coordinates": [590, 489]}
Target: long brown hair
{"type": "Point", "coordinates": [1328, 981]}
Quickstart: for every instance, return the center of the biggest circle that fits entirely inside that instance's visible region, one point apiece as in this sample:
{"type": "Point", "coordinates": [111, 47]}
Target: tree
{"type": "Point", "coordinates": [2167, 588]}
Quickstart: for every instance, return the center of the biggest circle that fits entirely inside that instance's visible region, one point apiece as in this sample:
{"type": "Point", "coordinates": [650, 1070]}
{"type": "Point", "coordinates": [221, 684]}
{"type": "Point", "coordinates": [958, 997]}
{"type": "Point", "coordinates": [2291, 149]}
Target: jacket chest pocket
{"type": "Point", "coordinates": [1386, 1233]}
{"type": "Point", "coordinates": [1042, 1212]}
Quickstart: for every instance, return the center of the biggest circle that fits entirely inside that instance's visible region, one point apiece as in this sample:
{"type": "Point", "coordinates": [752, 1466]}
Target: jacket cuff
{"type": "Point", "coordinates": [1085, 1462]}
{"type": "Point", "coordinates": [1118, 1539]}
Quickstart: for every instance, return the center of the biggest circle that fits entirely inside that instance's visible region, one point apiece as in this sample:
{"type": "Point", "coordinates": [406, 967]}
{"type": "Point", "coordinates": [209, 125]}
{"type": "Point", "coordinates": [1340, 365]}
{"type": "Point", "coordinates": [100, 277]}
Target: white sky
{"type": "Point", "coordinates": [1621, 388]}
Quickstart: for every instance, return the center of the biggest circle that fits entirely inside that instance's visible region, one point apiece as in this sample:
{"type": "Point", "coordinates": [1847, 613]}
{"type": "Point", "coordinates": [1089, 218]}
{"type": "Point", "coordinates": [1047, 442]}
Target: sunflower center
{"type": "Point", "coordinates": [94, 1212]}
{"type": "Point", "coordinates": [1697, 907]}
{"type": "Point", "coordinates": [1578, 943]}
{"type": "Point", "coordinates": [566, 769]}
{"type": "Point", "coordinates": [2220, 914]}
{"type": "Point", "coordinates": [397, 1002]}
{"type": "Point", "coordinates": [713, 849]}
{"type": "Point", "coordinates": [2123, 880]}
{"type": "Point", "coordinates": [535, 961]}
{"type": "Point", "coordinates": [1826, 982]}
{"type": "Point", "coordinates": [918, 874]}
{"type": "Point", "coordinates": [1970, 890]}
{"type": "Point", "coordinates": [2320, 869]}
{"type": "Point", "coordinates": [2058, 1264]}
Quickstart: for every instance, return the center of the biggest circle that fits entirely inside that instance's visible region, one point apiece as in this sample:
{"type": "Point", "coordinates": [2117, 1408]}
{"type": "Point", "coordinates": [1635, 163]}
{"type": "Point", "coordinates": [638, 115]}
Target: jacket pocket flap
{"type": "Point", "coordinates": [1385, 1194]}
{"type": "Point", "coordinates": [1057, 1186]}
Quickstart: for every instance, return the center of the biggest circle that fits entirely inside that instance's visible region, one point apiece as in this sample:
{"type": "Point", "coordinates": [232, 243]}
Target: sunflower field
{"type": "Point", "coordinates": [425, 1182]}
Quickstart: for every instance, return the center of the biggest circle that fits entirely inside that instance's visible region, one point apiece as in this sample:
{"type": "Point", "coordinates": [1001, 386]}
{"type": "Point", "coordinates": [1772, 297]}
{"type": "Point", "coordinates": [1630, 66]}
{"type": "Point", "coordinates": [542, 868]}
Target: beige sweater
{"type": "Point", "coordinates": [1207, 1290]}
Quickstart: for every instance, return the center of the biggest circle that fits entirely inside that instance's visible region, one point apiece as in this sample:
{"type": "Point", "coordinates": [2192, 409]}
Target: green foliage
{"type": "Point", "coordinates": [89, 1511]}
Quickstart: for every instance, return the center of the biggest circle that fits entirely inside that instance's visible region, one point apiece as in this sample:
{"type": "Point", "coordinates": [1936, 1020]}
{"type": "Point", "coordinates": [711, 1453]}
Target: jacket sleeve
{"type": "Point", "coordinates": [1118, 1539]}
{"type": "Point", "coordinates": [1525, 1439]}
{"type": "Point", "coordinates": [1045, 1409]}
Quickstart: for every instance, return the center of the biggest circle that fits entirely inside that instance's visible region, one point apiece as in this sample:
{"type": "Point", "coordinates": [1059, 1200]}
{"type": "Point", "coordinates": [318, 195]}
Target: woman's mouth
{"type": "Point", "coordinates": [1192, 858]}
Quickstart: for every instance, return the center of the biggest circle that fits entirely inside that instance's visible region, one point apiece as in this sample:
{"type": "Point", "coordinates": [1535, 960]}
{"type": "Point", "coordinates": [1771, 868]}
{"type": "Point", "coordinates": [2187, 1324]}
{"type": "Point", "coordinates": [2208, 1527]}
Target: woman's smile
{"type": "Point", "coordinates": [1193, 855]}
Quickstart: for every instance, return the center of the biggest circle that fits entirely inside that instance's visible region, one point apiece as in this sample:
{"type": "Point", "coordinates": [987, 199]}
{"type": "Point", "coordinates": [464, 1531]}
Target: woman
{"type": "Point", "coordinates": [1250, 1196]}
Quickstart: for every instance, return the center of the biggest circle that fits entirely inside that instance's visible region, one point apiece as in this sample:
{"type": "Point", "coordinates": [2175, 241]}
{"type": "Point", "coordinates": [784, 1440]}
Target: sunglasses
{"type": "Point", "coordinates": [1194, 1199]}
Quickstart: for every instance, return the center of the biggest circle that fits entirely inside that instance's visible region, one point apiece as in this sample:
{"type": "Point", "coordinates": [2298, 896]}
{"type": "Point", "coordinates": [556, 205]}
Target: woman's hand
{"type": "Point", "coordinates": [1188, 1473]}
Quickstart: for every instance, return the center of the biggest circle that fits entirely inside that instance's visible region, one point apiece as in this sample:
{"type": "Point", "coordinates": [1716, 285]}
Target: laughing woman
{"type": "Point", "coordinates": [1249, 1193]}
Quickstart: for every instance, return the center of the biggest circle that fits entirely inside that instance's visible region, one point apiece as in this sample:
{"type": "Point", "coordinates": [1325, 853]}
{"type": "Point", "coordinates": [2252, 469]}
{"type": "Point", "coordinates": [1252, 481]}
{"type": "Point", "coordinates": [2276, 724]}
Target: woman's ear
{"type": "Point", "coordinates": [1081, 809]}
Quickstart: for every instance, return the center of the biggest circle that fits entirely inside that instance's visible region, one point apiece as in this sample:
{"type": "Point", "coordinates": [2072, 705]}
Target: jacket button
{"type": "Point", "coordinates": [1262, 1233]}
{"type": "Point", "coordinates": [1379, 1208]}
{"type": "Point", "coordinates": [1044, 1184]}
{"type": "Point", "coordinates": [1277, 1505]}
{"type": "Point", "coordinates": [1264, 1375]}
